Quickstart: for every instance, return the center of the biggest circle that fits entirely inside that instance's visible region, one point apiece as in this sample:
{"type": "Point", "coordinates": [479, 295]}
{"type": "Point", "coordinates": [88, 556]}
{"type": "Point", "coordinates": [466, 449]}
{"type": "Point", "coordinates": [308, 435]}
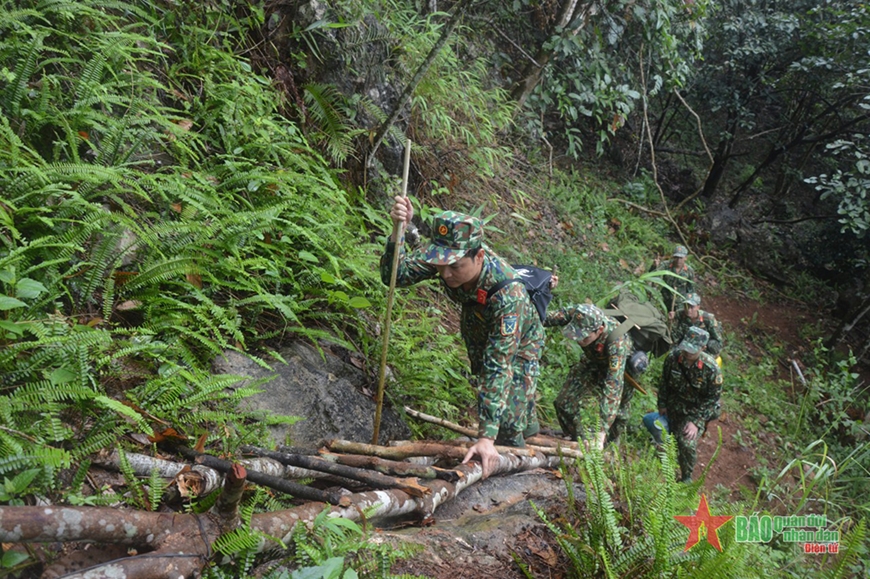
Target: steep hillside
{"type": "Point", "coordinates": [180, 180]}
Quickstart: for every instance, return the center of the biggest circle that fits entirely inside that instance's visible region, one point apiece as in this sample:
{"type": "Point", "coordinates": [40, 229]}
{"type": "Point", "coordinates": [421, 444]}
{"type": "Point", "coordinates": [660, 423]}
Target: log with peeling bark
{"type": "Point", "coordinates": [552, 441]}
{"type": "Point", "coordinates": [536, 440]}
{"type": "Point", "coordinates": [273, 482]}
{"type": "Point", "coordinates": [528, 450]}
{"type": "Point", "coordinates": [412, 449]}
{"type": "Point", "coordinates": [391, 467]}
{"type": "Point", "coordinates": [227, 505]}
{"type": "Point", "coordinates": [176, 545]}
{"type": "Point", "coordinates": [375, 479]}
{"type": "Point", "coordinates": [441, 422]}
{"type": "Point", "coordinates": [199, 480]}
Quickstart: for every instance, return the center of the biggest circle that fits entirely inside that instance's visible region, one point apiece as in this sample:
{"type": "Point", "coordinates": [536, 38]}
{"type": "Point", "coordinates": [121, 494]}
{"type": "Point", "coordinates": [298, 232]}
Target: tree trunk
{"type": "Point", "coordinates": [418, 76]}
{"type": "Point", "coordinates": [720, 161]}
{"type": "Point", "coordinates": [848, 325]}
{"type": "Point", "coordinates": [531, 75]}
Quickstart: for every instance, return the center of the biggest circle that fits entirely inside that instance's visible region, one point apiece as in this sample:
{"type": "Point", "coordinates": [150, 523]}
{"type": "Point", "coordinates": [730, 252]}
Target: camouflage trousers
{"type": "Point", "coordinates": [585, 386]}
{"type": "Point", "coordinates": [517, 415]}
{"type": "Point", "coordinates": [687, 450]}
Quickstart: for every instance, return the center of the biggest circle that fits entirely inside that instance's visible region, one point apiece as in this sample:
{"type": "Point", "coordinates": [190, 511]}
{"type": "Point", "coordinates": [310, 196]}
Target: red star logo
{"type": "Point", "coordinates": [710, 523]}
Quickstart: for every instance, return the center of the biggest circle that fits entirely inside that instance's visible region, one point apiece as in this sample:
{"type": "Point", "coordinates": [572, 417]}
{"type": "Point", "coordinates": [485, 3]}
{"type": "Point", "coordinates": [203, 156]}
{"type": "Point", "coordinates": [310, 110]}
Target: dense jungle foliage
{"type": "Point", "coordinates": [179, 179]}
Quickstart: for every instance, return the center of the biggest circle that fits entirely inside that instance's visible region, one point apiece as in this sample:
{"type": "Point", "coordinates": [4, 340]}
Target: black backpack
{"type": "Point", "coordinates": [537, 282]}
{"type": "Point", "coordinates": [646, 324]}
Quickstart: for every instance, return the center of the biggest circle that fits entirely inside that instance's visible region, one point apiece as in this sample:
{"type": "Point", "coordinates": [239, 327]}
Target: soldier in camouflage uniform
{"type": "Point", "coordinates": [693, 315]}
{"type": "Point", "coordinates": [677, 265]}
{"type": "Point", "coordinates": [600, 373]}
{"type": "Point", "coordinates": [689, 393]}
{"type": "Point", "coordinates": [502, 333]}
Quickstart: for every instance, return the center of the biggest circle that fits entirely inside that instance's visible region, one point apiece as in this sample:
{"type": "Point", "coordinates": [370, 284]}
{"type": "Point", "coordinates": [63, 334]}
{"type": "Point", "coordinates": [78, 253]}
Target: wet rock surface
{"type": "Point", "coordinates": [321, 389]}
{"type": "Point", "coordinates": [479, 533]}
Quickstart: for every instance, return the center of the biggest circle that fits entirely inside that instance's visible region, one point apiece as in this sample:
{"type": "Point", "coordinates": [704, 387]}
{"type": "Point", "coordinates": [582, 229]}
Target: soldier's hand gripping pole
{"type": "Point", "coordinates": [399, 236]}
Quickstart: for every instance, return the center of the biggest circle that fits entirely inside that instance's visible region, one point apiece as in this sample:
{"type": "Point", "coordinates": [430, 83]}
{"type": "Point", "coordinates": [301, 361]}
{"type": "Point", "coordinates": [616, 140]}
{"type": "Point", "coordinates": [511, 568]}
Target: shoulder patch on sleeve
{"type": "Point", "coordinates": [509, 324]}
{"type": "Point", "coordinates": [718, 379]}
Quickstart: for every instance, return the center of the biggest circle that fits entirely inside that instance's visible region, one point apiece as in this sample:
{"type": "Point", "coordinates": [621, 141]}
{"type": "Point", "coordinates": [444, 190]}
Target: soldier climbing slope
{"type": "Point", "coordinates": [677, 265]}
{"type": "Point", "coordinates": [688, 397]}
{"type": "Point", "coordinates": [692, 315]}
{"type": "Point", "coordinates": [502, 332]}
{"type": "Point", "coordinates": [599, 375]}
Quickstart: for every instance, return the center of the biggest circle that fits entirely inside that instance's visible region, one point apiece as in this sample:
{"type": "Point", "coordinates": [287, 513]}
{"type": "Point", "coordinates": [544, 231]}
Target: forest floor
{"type": "Point", "coordinates": [781, 324]}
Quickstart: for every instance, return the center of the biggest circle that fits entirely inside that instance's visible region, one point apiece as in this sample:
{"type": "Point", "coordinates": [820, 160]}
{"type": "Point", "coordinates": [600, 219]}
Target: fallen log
{"type": "Point", "coordinates": [392, 467]}
{"type": "Point", "coordinates": [175, 545]}
{"type": "Point", "coordinates": [273, 482]}
{"type": "Point", "coordinates": [528, 450]}
{"type": "Point", "coordinates": [199, 480]}
{"type": "Point", "coordinates": [375, 479]}
{"type": "Point", "coordinates": [472, 432]}
{"type": "Point", "coordinates": [536, 440]}
{"type": "Point", "coordinates": [395, 503]}
{"type": "Point", "coordinates": [409, 450]}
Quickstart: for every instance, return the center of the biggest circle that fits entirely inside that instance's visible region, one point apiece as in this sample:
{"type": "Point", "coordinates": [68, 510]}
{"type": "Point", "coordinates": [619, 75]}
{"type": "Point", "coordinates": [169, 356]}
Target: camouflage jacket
{"type": "Point", "coordinates": [683, 287]}
{"type": "Point", "coordinates": [607, 361]}
{"type": "Point", "coordinates": [689, 391]}
{"type": "Point", "coordinates": [496, 331]}
{"type": "Point", "coordinates": [706, 321]}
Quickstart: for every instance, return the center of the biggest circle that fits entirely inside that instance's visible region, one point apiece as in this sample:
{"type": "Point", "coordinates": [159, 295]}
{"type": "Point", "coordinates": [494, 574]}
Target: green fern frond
{"type": "Point", "coordinates": [125, 411]}
{"type": "Point", "coordinates": [133, 483]}
{"type": "Point", "coordinates": [104, 434]}
{"type": "Point", "coordinates": [603, 512]}
{"type": "Point", "coordinates": [157, 485]}
{"type": "Point", "coordinates": [47, 457]}
{"type": "Point", "coordinates": [37, 395]}
{"type": "Point", "coordinates": [10, 100]}
{"type": "Point", "coordinates": [238, 541]}
{"type": "Point", "coordinates": [161, 272]}
{"type": "Point", "coordinates": [327, 108]}
{"type": "Point", "coordinates": [851, 545]}
{"type": "Point", "coordinates": [80, 476]}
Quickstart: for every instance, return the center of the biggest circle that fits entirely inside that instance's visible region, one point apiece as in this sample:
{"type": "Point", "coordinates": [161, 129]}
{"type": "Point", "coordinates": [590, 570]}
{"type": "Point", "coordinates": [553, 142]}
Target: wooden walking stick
{"type": "Point", "coordinates": [399, 236]}
{"type": "Point", "coordinates": [630, 379]}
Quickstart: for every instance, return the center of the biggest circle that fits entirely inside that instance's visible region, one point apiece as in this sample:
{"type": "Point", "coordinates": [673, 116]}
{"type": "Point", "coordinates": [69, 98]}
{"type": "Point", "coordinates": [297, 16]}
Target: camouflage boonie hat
{"type": "Point", "coordinates": [588, 319]}
{"type": "Point", "coordinates": [692, 299]}
{"type": "Point", "coordinates": [453, 235]}
{"type": "Point", "coordinates": [695, 340]}
{"type": "Point", "coordinates": [681, 251]}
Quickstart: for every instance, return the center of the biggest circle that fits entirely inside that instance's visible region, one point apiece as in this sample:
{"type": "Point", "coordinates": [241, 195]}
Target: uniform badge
{"type": "Point", "coordinates": [481, 296]}
{"type": "Point", "coordinates": [509, 325]}
{"type": "Point", "coordinates": [599, 348]}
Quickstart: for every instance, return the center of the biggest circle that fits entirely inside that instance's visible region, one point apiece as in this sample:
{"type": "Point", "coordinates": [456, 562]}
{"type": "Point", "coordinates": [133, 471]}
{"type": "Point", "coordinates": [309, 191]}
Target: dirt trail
{"type": "Point", "coordinates": [780, 324]}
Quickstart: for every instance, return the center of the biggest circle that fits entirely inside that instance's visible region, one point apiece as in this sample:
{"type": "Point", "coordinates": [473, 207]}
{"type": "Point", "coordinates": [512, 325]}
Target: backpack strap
{"type": "Point", "coordinates": [622, 329]}
{"type": "Point", "coordinates": [498, 286]}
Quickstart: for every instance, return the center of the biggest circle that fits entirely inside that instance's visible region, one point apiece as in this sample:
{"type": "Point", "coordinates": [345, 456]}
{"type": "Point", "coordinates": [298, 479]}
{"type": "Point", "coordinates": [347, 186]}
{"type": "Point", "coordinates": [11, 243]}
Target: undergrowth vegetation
{"type": "Point", "coordinates": [164, 202]}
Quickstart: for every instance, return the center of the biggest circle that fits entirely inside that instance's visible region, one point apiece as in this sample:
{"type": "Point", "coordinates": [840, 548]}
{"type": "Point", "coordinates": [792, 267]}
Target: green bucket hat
{"type": "Point", "coordinates": [587, 320]}
{"type": "Point", "coordinates": [681, 251]}
{"type": "Point", "coordinates": [692, 299]}
{"type": "Point", "coordinates": [695, 340]}
{"type": "Point", "coordinates": [453, 235]}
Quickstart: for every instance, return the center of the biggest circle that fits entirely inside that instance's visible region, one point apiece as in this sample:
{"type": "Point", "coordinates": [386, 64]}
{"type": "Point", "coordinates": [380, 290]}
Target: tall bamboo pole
{"type": "Point", "coordinates": [399, 236]}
